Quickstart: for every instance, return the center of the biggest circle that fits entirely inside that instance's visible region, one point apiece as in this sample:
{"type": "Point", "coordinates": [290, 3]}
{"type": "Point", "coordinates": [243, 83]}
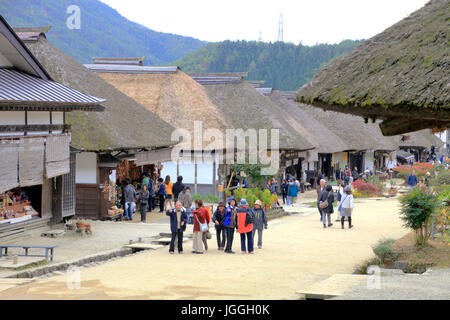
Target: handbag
{"type": "Point", "coordinates": [203, 226]}
{"type": "Point", "coordinates": [208, 235]}
{"type": "Point", "coordinates": [324, 204]}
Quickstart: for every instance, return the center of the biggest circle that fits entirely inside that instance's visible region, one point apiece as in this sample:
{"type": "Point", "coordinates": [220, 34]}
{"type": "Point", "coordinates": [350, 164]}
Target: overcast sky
{"type": "Point", "coordinates": [308, 21]}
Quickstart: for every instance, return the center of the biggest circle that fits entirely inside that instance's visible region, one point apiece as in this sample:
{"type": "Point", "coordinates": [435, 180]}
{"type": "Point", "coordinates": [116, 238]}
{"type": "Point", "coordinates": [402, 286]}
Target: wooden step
{"type": "Point", "coordinates": [333, 286]}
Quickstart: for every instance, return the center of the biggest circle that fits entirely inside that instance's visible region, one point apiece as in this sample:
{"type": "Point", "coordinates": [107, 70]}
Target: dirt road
{"type": "Point", "coordinates": [297, 250]}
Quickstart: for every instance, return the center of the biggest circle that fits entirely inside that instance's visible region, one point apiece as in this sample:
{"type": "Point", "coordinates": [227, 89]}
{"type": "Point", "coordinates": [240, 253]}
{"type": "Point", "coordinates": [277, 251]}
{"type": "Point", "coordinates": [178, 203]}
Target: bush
{"type": "Point", "coordinates": [417, 207]}
{"type": "Point", "coordinates": [443, 178]}
{"type": "Point", "coordinates": [364, 189]}
{"type": "Point", "coordinates": [383, 249]}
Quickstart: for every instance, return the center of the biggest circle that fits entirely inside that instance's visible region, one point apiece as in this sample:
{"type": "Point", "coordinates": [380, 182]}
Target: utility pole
{"type": "Point", "coordinates": [280, 28]}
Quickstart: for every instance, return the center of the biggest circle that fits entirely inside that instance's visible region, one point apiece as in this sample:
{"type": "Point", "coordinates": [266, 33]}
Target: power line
{"type": "Point", "coordinates": [280, 28]}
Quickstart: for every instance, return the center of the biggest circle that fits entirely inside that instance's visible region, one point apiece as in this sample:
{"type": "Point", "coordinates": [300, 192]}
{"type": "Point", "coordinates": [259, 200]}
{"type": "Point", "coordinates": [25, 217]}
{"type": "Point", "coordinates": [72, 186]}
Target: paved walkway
{"type": "Point", "coordinates": [297, 252]}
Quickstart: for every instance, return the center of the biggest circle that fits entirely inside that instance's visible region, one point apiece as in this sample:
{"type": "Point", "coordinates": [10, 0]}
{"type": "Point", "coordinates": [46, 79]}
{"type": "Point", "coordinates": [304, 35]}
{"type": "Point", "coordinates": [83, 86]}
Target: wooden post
{"type": "Point", "coordinates": [195, 182]}
{"type": "Point", "coordinates": [214, 179]}
{"type": "Point", "coordinates": [178, 168]}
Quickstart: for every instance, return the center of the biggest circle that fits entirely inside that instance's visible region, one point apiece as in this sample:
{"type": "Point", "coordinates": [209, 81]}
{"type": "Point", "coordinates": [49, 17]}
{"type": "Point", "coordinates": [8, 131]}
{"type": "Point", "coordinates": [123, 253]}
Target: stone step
{"type": "Point", "coordinates": [143, 246]}
{"type": "Point", "coordinates": [333, 286]}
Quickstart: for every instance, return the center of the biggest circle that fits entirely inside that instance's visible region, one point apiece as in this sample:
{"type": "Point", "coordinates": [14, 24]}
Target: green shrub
{"type": "Point", "coordinates": [383, 250]}
{"type": "Point", "coordinates": [417, 207]}
{"type": "Point", "coordinates": [196, 196]}
{"type": "Point", "coordinates": [443, 178]}
{"type": "Point", "coordinates": [210, 198]}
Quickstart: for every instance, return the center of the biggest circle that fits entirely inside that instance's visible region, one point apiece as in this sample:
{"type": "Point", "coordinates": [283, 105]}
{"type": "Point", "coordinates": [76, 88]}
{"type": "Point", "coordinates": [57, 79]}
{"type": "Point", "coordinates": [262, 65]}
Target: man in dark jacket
{"type": "Point", "coordinates": [219, 219]}
{"type": "Point", "coordinates": [178, 187]}
{"type": "Point", "coordinates": [326, 212]}
{"type": "Point", "coordinates": [178, 220]}
{"type": "Point", "coordinates": [129, 194]}
{"type": "Point", "coordinates": [260, 221]}
{"type": "Point", "coordinates": [320, 189]}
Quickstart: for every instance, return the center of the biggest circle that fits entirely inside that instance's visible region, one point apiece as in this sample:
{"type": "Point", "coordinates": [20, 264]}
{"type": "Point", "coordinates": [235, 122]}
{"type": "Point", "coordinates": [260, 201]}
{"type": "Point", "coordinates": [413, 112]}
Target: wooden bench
{"type": "Point", "coordinates": [48, 249]}
{"type": "Point", "coordinates": [116, 217]}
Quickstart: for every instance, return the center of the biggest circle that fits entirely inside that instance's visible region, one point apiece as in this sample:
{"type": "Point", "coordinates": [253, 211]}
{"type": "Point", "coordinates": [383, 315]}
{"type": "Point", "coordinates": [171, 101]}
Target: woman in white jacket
{"type": "Point", "coordinates": [347, 207]}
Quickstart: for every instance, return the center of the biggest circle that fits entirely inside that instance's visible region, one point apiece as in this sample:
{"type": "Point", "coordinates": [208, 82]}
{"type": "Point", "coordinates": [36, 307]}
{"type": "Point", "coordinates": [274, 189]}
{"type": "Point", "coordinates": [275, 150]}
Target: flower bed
{"type": "Point", "coordinates": [421, 169]}
{"type": "Point", "coordinates": [364, 189]}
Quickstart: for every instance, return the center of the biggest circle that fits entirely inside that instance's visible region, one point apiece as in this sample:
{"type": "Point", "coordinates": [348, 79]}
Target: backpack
{"type": "Point", "coordinates": [324, 204]}
{"type": "Point", "coordinates": [249, 218]}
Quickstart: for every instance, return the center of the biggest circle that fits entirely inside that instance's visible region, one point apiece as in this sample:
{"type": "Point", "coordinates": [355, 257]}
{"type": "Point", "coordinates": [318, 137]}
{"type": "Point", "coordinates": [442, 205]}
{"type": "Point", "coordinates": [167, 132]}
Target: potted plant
{"type": "Point", "coordinates": [80, 224]}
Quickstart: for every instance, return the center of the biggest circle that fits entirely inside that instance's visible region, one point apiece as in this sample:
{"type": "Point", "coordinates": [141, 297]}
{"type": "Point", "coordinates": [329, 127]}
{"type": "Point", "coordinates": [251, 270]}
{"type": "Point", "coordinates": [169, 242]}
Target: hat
{"type": "Point", "coordinates": [347, 189]}
{"type": "Point", "coordinates": [230, 198]}
{"type": "Point", "coordinates": [243, 203]}
{"type": "Point", "coordinates": [221, 204]}
{"type": "Point", "coordinates": [258, 202]}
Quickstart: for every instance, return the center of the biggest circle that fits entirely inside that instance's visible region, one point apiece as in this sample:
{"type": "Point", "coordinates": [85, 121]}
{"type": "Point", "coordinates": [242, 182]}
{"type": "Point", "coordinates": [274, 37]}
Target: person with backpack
{"type": "Point", "coordinates": [293, 191]}
{"type": "Point", "coordinates": [200, 226]}
{"type": "Point", "coordinates": [229, 224]}
{"type": "Point", "coordinates": [260, 222]}
{"type": "Point", "coordinates": [143, 197]}
{"type": "Point", "coordinates": [346, 207]}
{"type": "Point", "coordinates": [178, 187]}
{"type": "Point", "coordinates": [326, 205]}
{"type": "Point", "coordinates": [245, 219]}
{"type": "Point", "coordinates": [178, 221]}
{"type": "Point", "coordinates": [219, 220]}
{"type": "Point", "coordinates": [161, 194]}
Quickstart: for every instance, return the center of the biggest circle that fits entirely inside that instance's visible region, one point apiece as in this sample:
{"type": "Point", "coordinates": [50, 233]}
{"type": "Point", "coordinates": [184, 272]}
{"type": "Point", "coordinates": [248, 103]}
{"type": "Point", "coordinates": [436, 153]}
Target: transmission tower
{"type": "Point", "coordinates": [280, 28]}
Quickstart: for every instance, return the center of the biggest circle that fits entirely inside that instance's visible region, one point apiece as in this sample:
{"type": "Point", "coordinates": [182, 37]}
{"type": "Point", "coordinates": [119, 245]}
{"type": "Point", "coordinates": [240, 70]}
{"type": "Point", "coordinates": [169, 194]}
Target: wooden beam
{"type": "Point", "coordinates": [400, 125]}
{"type": "Point", "coordinates": [34, 127]}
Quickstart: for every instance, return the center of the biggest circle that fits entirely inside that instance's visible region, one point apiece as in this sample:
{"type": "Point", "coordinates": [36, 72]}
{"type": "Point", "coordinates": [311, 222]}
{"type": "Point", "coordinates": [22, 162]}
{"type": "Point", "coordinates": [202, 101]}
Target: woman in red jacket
{"type": "Point", "coordinates": [200, 216]}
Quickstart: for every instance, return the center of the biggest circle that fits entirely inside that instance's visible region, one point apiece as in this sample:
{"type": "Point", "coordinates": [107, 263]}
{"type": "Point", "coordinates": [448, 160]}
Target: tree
{"type": "Point", "coordinates": [417, 208]}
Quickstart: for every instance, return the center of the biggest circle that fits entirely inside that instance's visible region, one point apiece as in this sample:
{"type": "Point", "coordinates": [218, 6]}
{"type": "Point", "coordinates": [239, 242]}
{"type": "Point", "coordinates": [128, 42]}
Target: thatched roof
{"type": "Point", "coordinates": [419, 139]}
{"type": "Point", "coordinates": [174, 96]}
{"type": "Point", "coordinates": [124, 124]}
{"type": "Point", "coordinates": [400, 76]}
{"type": "Point", "coordinates": [325, 140]}
{"type": "Point", "coordinates": [246, 108]}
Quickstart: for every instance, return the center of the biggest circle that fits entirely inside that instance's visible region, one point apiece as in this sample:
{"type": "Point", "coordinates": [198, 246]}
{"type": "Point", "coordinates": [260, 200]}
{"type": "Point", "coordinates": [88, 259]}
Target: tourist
{"type": "Point", "coordinates": [151, 199]}
{"type": "Point", "coordinates": [260, 222]}
{"type": "Point", "coordinates": [348, 175]}
{"type": "Point", "coordinates": [302, 181]}
{"type": "Point", "coordinates": [186, 200]}
{"type": "Point", "coordinates": [145, 180]}
{"type": "Point", "coordinates": [219, 220]}
{"type": "Point", "coordinates": [340, 175]}
{"type": "Point", "coordinates": [161, 194]}
{"type": "Point", "coordinates": [412, 179]}
{"type": "Point", "coordinates": [346, 207]}
{"type": "Point", "coordinates": [200, 216]}
{"type": "Point", "coordinates": [178, 220]}
{"type": "Point", "coordinates": [206, 233]}
{"type": "Point", "coordinates": [355, 174]}
{"type": "Point", "coordinates": [143, 197]}
{"type": "Point", "coordinates": [178, 187]}
{"type": "Point", "coordinates": [245, 182]}
{"type": "Point", "coordinates": [274, 189]}
{"type": "Point", "coordinates": [292, 192]}
{"type": "Point", "coordinates": [284, 190]}
{"type": "Point", "coordinates": [427, 178]}
{"type": "Point", "coordinates": [320, 189]}
{"type": "Point", "coordinates": [230, 224]}
{"type": "Point", "coordinates": [327, 196]}
{"type": "Point", "coordinates": [421, 184]}
{"type": "Point", "coordinates": [129, 194]}
{"type": "Point", "coordinates": [340, 193]}
{"type": "Point", "coordinates": [245, 217]}
{"type": "Point", "coordinates": [319, 175]}
{"type": "Point", "coordinates": [169, 192]}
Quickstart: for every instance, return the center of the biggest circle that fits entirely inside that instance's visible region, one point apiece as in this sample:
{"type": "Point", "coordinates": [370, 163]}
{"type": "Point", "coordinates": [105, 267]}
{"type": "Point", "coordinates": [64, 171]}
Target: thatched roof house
{"type": "Point", "coordinates": [124, 124]}
{"type": "Point", "coordinates": [167, 92]}
{"type": "Point", "coordinates": [246, 108]}
{"type": "Point", "coordinates": [400, 76]}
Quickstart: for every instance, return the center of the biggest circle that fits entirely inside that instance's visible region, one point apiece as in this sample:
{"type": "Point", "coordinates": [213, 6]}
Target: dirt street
{"type": "Point", "coordinates": [297, 250]}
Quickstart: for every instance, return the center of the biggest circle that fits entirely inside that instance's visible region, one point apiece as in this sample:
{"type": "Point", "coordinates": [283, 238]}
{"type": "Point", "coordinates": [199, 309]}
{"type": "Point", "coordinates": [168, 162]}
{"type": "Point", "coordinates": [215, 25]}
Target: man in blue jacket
{"type": "Point", "coordinates": [412, 179]}
{"type": "Point", "coordinates": [178, 220]}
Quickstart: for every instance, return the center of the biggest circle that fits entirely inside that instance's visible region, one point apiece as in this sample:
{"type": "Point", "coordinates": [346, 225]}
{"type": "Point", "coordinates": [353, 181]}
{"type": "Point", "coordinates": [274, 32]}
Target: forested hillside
{"type": "Point", "coordinates": [103, 31]}
{"type": "Point", "coordinates": [284, 66]}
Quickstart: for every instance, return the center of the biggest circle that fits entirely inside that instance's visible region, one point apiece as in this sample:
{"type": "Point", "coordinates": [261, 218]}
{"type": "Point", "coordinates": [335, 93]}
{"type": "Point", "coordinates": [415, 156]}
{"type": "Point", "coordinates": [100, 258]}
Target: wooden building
{"type": "Point", "coordinates": [100, 140]}
{"type": "Point", "coordinates": [36, 188]}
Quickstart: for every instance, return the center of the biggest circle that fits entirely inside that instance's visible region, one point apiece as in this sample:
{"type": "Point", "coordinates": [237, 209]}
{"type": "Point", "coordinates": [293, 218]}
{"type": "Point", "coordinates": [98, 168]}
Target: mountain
{"type": "Point", "coordinates": [283, 66]}
{"type": "Point", "coordinates": [103, 31]}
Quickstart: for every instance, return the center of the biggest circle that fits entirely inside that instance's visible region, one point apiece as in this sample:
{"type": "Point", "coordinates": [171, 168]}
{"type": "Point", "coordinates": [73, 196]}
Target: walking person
{"type": "Point", "coordinates": [186, 200]}
{"type": "Point", "coordinates": [169, 192]}
{"type": "Point", "coordinates": [219, 220]}
{"type": "Point", "coordinates": [230, 224]}
{"type": "Point", "coordinates": [302, 181]}
{"type": "Point", "coordinates": [412, 179]}
{"type": "Point", "coordinates": [284, 190]}
{"type": "Point", "coordinates": [346, 207]}
{"type": "Point", "coordinates": [340, 193]}
{"type": "Point", "coordinates": [161, 194]}
{"type": "Point", "coordinates": [143, 197]}
{"type": "Point", "coordinates": [200, 216]}
{"type": "Point", "coordinates": [151, 198]}
{"type": "Point", "coordinates": [274, 189]}
{"type": "Point", "coordinates": [245, 218]}
{"type": "Point", "coordinates": [320, 189]}
{"type": "Point", "coordinates": [129, 194]}
{"type": "Point", "coordinates": [260, 222]}
{"type": "Point", "coordinates": [292, 192]}
{"type": "Point", "coordinates": [178, 220]}
{"type": "Point", "coordinates": [327, 197]}
{"type": "Point", "coordinates": [178, 187]}
{"type": "Point", "coordinates": [355, 174]}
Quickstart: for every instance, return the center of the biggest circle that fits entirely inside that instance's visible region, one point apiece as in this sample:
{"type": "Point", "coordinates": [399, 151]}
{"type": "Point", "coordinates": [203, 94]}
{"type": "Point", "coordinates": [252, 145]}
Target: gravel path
{"type": "Point", "coordinates": [432, 285]}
